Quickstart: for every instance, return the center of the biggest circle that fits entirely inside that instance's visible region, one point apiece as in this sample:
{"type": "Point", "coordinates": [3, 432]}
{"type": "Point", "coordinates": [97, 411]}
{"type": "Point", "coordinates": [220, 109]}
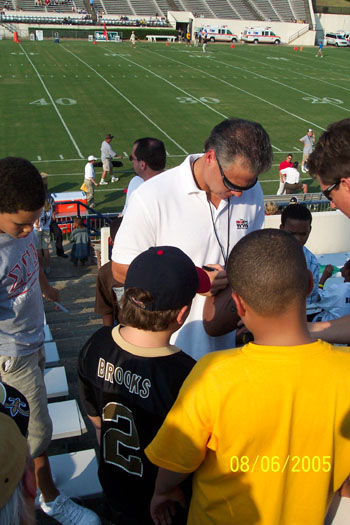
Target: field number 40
{"type": "Point", "coordinates": [62, 101]}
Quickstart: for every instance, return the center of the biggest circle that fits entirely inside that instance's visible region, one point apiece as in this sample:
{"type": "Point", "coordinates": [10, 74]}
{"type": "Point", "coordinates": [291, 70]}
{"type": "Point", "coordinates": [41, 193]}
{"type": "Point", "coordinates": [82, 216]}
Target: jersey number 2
{"type": "Point", "coordinates": [113, 438]}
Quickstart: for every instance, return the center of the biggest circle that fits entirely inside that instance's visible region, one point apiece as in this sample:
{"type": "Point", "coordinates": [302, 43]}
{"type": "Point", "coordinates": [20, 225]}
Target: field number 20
{"type": "Point", "coordinates": [190, 100]}
{"type": "Point", "coordinates": [62, 101]}
{"type": "Point", "coordinates": [315, 100]}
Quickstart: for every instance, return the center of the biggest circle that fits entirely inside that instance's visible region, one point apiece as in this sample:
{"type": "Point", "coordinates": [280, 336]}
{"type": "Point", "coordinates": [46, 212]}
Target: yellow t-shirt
{"type": "Point", "coordinates": [267, 430]}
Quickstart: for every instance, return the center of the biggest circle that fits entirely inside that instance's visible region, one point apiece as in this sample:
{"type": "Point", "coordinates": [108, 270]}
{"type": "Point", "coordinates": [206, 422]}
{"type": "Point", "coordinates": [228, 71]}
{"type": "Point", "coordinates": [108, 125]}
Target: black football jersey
{"type": "Point", "coordinates": [132, 394]}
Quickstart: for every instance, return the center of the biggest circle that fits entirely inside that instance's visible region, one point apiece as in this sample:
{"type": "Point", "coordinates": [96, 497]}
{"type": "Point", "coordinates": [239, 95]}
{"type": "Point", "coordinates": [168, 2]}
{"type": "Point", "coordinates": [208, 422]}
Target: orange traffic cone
{"type": "Point", "coordinates": [15, 38]}
{"type": "Point", "coordinates": [232, 46]}
{"type": "Point", "coordinates": [95, 43]}
{"type": "Point", "coordinates": [295, 48]}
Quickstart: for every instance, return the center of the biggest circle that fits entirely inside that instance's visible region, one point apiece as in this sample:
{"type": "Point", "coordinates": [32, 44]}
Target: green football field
{"type": "Point", "coordinates": [59, 100]}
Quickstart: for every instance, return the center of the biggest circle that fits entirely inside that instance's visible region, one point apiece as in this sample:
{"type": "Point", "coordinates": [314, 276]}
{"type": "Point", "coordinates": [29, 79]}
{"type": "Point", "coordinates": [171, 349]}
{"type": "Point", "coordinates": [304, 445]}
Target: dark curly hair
{"type": "Point", "coordinates": [21, 186]}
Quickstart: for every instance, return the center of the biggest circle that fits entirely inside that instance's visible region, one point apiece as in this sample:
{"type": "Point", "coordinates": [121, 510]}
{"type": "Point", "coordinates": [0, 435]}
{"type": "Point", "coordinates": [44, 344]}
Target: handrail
{"type": "Point", "coordinates": [297, 34]}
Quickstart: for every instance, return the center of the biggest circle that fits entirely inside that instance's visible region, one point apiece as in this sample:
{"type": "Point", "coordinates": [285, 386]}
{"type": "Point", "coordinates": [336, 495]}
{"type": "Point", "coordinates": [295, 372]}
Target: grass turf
{"type": "Point", "coordinates": [59, 100]}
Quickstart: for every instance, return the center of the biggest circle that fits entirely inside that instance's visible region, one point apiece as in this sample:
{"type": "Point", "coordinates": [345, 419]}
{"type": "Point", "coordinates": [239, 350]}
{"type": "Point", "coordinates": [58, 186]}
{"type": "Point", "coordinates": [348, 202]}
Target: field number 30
{"type": "Point", "coordinates": [190, 100]}
{"type": "Point", "coordinates": [62, 101]}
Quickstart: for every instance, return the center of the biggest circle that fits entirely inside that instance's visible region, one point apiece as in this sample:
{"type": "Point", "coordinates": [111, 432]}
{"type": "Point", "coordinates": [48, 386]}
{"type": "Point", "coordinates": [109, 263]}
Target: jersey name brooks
{"type": "Point", "coordinates": [116, 374]}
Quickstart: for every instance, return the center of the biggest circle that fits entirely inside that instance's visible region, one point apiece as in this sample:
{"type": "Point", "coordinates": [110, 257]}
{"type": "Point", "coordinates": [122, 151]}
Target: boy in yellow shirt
{"type": "Point", "coordinates": [265, 428]}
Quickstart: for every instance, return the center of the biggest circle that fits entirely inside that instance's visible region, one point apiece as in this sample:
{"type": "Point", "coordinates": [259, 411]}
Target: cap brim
{"type": "Point", "coordinates": [204, 281]}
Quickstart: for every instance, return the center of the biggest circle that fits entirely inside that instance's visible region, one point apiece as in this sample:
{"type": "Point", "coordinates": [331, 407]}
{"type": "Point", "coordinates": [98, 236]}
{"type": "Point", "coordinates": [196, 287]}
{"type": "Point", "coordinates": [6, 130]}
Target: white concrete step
{"type": "Point", "coordinates": [66, 419]}
{"type": "Point", "coordinates": [56, 382]}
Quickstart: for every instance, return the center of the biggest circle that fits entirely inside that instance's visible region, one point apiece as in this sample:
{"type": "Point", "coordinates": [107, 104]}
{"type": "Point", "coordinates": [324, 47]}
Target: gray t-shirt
{"type": "Point", "coordinates": [308, 144]}
{"type": "Point", "coordinates": [21, 303]}
{"type": "Point", "coordinates": [107, 151]}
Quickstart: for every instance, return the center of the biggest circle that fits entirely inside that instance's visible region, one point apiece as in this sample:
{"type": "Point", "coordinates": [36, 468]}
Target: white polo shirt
{"type": "Point", "coordinates": [292, 175]}
{"type": "Point", "coordinates": [89, 171]}
{"type": "Point", "coordinates": [171, 210]}
{"type": "Point", "coordinates": [133, 185]}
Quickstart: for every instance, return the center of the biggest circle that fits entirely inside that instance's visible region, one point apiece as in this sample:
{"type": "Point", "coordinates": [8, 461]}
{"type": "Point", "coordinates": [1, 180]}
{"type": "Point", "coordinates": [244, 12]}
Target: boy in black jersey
{"type": "Point", "coordinates": [130, 376]}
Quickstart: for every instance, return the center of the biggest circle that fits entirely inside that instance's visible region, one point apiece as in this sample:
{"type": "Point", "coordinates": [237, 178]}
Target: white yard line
{"type": "Point", "coordinates": [238, 89]}
{"type": "Point", "coordinates": [171, 84]}
{"type": "Point", "coordinates": [127, 100]}
{"type": "Point", "coordinates": [53, 103]}
{"type": "Point", "coordinates": [37, 161]}
{"type": "Point", "coordinates": [269, 79]}
{"type": "Point", "coordinates": [287, 70]}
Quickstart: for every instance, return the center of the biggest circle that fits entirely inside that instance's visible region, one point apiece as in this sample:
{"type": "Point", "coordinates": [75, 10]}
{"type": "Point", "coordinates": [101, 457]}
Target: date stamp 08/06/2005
{"type": "Point", "coordinates": [278, 464]}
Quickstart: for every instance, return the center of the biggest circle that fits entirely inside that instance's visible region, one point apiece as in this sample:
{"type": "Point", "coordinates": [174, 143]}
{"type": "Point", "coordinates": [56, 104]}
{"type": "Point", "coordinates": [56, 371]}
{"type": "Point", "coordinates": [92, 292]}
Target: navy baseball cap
{"type": "Point", "coordinates": [169, 275]}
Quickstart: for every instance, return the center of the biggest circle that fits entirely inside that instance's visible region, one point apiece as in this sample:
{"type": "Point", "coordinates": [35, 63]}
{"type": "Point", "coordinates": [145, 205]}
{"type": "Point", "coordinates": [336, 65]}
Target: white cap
{"type": "Point", "coordinates": [91, 157]}
{"type": "Point", "coordinates": [310, 129]}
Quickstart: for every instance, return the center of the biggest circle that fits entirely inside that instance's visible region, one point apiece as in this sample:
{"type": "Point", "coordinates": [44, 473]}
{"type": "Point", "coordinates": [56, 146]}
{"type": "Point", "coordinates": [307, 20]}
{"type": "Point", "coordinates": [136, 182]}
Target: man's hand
{"type": "Point", "coordinates": [218, 278]}
{"type": "Point", "coordinates": [163, 505]}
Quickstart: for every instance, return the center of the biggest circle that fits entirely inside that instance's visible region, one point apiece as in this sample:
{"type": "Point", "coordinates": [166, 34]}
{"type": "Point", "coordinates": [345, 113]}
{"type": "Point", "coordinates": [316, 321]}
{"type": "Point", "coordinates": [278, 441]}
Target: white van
{"type": "Point", "coordinates": [219, 34]}
{"type": "Point", "coordinates": [335, 39]}
{"type": "Point", "coordinates": [260, 35]}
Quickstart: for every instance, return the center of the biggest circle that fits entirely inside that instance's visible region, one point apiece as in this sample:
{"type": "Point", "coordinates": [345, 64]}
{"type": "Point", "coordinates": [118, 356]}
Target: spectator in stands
{"type": "Point", "coordinates": [284, 164]}
{"type": "Point", "coordinates": [308, 140]}
{"type": "Point", "coordinates": [22, 354]}
{"type": "Point", "coordinates": [89, 180]}
{"type": "Point", "coordinates": [271, 208]}
{"type": "Point", "coordinates": [204, 206]}
{"type": "Point", "coordinates": [107, 154]}
{"type": "Point", "coordinates": [148, 157]}
{"type": "Point", "coordinates": [239, 407]}
{"type": "Point", "coordinates": [330, 164]}
{"type": "Point", "coordinates": [42, 236]}
{"type": "Point", "coordinates": [106, 301]}
{"type": "Point", "coordinates": [292, 182]}
{"type": "Point", "coordinates": [132, 373]}
{"type": "Point", "coordinates": [296, 219]}
{"type": "Point", "coordinates": [80, 240]}
{"type": "Point", "coordinates": [18, 490]}
{"type": "Point", "coordinates": [335, 299]}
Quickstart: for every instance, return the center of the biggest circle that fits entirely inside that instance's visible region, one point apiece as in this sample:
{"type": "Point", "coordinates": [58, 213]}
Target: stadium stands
{"type": "Point", "coordinates": [198, 8]}
{"type": "Point", "coordinates": [259, 10]}
{"type": "Point", "coordinates": [224, 9]}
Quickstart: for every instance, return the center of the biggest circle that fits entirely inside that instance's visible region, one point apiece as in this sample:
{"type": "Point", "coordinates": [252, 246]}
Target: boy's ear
{"type": "Point", "coordinates": [240, 304]}
{"type": "Point", "coordinates": [346, 183]}
{"type": "Point", "coordinates": [311, 282]}
{"type": "Point", "coordinates": [183, 314]}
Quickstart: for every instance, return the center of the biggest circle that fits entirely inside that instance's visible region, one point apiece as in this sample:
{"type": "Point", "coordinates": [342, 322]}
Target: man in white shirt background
{"type": "Point", "coordinates": [148, 157]}
{"type": "Point", "coordinates": [89, 180]}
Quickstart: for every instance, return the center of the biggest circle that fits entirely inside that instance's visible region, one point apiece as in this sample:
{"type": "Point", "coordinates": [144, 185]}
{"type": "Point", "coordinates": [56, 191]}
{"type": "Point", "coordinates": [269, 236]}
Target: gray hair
{"type": "Point", "coordinates": [236, 137]}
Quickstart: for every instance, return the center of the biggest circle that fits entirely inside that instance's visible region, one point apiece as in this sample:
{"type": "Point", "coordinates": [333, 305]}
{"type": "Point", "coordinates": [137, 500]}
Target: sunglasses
{"type": "Point", "coordinates": [330, 188]}
{"type": "Point", "coordinates": [233, 187]}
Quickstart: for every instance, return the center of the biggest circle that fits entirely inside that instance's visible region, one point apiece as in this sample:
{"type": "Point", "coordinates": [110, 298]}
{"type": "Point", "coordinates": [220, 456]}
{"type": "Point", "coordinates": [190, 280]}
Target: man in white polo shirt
{"type": "Point", "coordinates": [204, 206]}
{"type": "Point", "coordinates": [89, 179]}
